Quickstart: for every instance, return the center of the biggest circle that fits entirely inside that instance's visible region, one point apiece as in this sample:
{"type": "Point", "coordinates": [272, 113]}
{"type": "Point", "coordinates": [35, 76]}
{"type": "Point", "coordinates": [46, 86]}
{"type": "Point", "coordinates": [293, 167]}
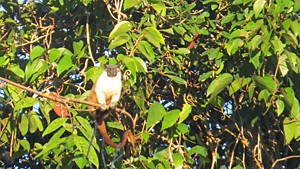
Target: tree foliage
{"type": "Point", "coordinates": [208, 83]}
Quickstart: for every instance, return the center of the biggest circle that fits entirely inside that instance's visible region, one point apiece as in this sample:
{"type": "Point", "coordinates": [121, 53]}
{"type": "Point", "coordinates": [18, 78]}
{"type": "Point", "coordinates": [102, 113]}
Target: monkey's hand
{"type": "Point", "coordinates": [103, 107]}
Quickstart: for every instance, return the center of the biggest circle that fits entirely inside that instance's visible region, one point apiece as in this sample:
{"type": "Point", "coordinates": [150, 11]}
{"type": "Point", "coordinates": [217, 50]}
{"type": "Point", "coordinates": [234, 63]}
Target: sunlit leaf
{"type": "Point", "coordinates": [36, 52]}
{"type": "Point", "coordinates": [265, 82]}
{"type": "Point", "coordinates": [153, 36]}
{"type": "Point", "coordinates": [185, 112]}
{"type": "Point", "coordinates": [258, 7]}
{"type": "Point", "coordinates": [160, 7]}
{"type": "Point", "coordinates": [24, 125]}
{"type": "Point", "coordinates": [120, 28]}
{"type": "Point", "coordinates": [170, 119]}
{"type": "Point", "coordinates": [64, 64]}
{"type": "Point", "coordinates": [218, 84]}
{"type": "Point", "coordinates": [131, 3]}
{"type": "Point", "coordinates": [176, 79]}
{"type": "Point", "coordinates": [119, 40]}
{"type": "Point", "coordinates": [279, 107]}
{"type": "Point", "coordinates": [146, 49]}
{"type": "Point", "coordinates": [155, 114]}
{"type": "Point", "coordinates": [83, 145]}
{"type": "Point", "coordinates": [55, 124]}
{"type": "Point", "coordinates": [26, 102]}
{"type": "Point", "coordinates": [198, 150]}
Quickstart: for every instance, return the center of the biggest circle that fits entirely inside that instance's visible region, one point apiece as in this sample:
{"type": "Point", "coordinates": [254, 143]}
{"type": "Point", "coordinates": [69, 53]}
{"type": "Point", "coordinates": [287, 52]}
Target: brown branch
{"type": "Point", "coordinates": [57, 98]}
{"type": "Point", "coordinates": [283, 159]}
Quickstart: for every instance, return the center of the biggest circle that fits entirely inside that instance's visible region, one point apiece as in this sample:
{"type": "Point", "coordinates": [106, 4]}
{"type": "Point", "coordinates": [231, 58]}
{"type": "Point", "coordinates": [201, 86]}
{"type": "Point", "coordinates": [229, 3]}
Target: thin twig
{"type": "Point", "coordinates": [87, 29]}
{"type": "Point", "coordinates": [285, 158]}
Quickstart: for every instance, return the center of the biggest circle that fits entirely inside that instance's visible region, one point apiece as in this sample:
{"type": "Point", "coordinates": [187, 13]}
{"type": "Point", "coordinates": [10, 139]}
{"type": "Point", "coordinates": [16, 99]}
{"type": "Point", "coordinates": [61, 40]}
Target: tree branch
{"type": "Point", "coordinates": [57, 98]}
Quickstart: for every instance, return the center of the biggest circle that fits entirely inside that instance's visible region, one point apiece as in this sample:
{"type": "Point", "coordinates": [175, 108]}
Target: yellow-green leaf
{"type": "Point", "coordinates": [121, 27]}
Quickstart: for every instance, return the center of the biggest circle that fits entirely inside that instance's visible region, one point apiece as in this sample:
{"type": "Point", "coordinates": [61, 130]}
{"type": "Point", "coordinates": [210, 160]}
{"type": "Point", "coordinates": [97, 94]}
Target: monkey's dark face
{"type": "Point", "coordinates": [112, 70]}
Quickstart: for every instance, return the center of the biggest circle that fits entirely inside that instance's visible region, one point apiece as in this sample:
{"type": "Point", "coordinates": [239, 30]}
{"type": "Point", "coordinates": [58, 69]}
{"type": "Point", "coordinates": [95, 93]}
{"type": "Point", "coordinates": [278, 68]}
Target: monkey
{"type": "Point", "coordinates": [107, 91]}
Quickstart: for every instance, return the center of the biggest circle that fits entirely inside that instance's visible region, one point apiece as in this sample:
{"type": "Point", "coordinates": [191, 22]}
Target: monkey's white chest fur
{"type": "Point", "coordinates": [108, 89]}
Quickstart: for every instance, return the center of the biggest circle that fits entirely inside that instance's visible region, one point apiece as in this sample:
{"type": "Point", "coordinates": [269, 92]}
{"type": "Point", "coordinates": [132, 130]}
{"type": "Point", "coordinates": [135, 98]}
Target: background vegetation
{"type": "Point", "coordinates": [208, 83]}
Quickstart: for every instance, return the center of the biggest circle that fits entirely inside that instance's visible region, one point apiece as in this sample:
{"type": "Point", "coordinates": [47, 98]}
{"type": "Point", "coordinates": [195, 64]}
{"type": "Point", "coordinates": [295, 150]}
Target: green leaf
{"type": "Point", "coordinates": [145, 48]}
{"type": "Point", "coordinates": [77, 47]}
{"type": "Point", "coordinates": [185, 112]}
{"type": "Point", "coordinates": [264, 95]}
{"type": "Point", "coordinates": [233, 45]}
{"type": "Point", "coordinates": [87, 130]}
{"type": "Point", "coordinates": [26, 102]}
{"type": "Point", "coordinates": [239, 33]}
{"type": "Point", "coordinates": [170, 119]}
{"type": "Point", "coordinates": [255, 60]}
{"type": "Point", "coordinates": [178, 160]}
{"type": "Point", "coordinates": [279, 107]}
{"type": "Point", "coordinates": [159, 7]}
{"type": "Point", "coordinates": [131, 65]}
{"type": "Point", "coordinates": [115, 125]}
{"type": "Point", "coordinates": [16, 70]}
{"type": "Point", "coordinates": [57, 134]}
{"type": "Point", "coordinates": [23, 125]}
{"type": "Point", "coordinates": [205, 76]}
{"type": "Point", "coordinates": [25, 144]}
{"type": "Point", "coordinates": [295, 26]}
{"type": "Point", "coordinates": [258, 6]}
{"type": "Point", "coordinates": [153, 36]}
{"type": "Point", "coordinates": [176, 79]}
{"type": "Point", "coordinates": [80, 159]}
{"type": "Point", "coordinates": [140, 64]}
{"type": "Point", "coordinates": [64, 64]}
{"type": "Point", "coordinates": [120, 28]}
{"type": "Point", "coordinates": [291, 38]}
{"type": "Point", "coordinates": [228, 18]}
{"type": "Point", "coordinates": [238, 84]}
{"type": "Point", "coordinates": [155, 114]}
{"type": "Point", "coordinates": [289, 128]}
{"type": "Point", "coordinates": [218, 84]}
{"type": "Point", "coordinates": [199, 150]}
{"type": "Point", "coordinates": [145, 136]}
{"type": "Point", "coordinates": [139, 99]}
{"type": "Point", "coordinates": [50, 146]}
{"type": "Point", "coordinates": [54, 54]}
{"type": "Point", "coordinates": [94, 72]}
{"type": "Point", "coordinates": [34, 69]}
{"type": "Point", "coordinates": [237, 167]}
{"type": "Point", "coordinates": [181, 51]}
{"type": "Point", "coordinates": [131, 3]}
{"type": "Point", "coordinates": [278, 45]}
{"type": "Point", "coordinates": [255, 42]}
{"type": "Point", "coordinates": [265, 82]}
{"type": "Point", "coordinates": [183, 128]}
{"type": "Point", "coordinates": [292, 60]}
{"type": "Point", "coordinates": [83, 145]}
{"type": "Point", "coordinates": [282, 64]}
{"type": "Point", "coordinates": [36, 52]}
{"type": "Point", "coordinates": [86, 2]}
{"type": "Point", "coordinates": [55, 124]}
{"type": "Point", "coordinates": [119, 40]}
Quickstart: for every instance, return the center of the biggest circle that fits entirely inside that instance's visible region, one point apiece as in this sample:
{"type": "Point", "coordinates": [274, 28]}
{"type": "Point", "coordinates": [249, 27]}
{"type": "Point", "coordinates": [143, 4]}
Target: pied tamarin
{"type": "Point", "coordinates": [106, 92]}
